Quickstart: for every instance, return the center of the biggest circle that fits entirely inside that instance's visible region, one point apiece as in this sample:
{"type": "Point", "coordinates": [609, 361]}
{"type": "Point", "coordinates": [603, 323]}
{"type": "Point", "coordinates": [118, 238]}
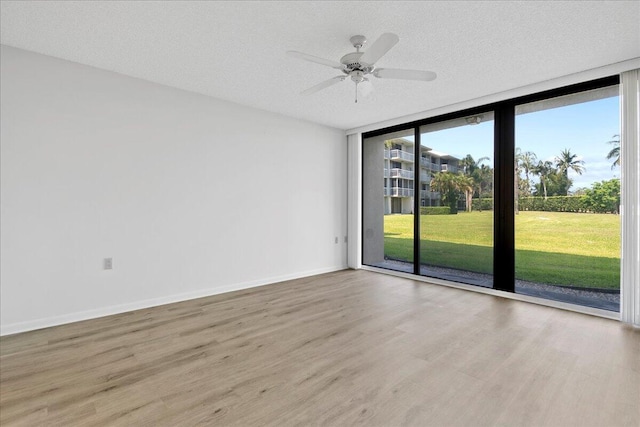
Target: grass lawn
{"type": "Point", "coordinates": [551, 247]}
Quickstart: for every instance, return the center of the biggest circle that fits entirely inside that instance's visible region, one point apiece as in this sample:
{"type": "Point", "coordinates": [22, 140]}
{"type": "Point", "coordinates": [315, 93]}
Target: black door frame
{"type": "Point", "coordinates": [504, 172]}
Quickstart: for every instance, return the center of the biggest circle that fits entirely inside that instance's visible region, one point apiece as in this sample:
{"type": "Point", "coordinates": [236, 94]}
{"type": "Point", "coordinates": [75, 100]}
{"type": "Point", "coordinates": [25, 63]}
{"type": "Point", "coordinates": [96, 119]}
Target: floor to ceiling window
{"type": "Point", "coordinates": [388, 200]}
{"type": "Point", "coordinates": [567, 226]}
{"type": "Point", "coordinates": [521, 196]}
{"type": "Point", "coordinates": [456, 199]}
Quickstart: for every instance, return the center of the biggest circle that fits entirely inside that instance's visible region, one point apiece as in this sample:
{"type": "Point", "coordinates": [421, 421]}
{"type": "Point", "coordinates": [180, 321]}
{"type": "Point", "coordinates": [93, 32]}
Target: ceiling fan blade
{"type": "Point", "coordinates": [381, 46]}
{"type": "Point", "coordinates": [311, 58]}
{"type": "Point", "coordinates": [323, 85]}
{"type": "Point", "coordinates": [394, 73]}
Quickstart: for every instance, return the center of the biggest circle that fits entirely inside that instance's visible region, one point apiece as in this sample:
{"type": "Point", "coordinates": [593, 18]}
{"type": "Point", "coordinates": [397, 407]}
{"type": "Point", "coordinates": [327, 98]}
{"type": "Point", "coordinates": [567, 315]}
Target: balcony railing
{"type": "Point", "coordinates": [401, 173]}
{"type": "Point", "coordinates": [449, 168]}
{"type": "Point", "coordinates": [424, 177]}
{"type": "Point", "coordinates": [400, 155]}
{"type": "Point", "coordinates": [398, 192]}
{"type": "Point", "coordinates": [426, 194]}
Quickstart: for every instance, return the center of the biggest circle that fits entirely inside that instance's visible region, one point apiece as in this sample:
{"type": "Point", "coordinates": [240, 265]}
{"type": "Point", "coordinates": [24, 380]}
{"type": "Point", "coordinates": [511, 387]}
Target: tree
{"type": "Point", "coordinates": [470, 166]}
{"type": "Point", "coordinates": [558, 184]}
{"type": "Point", "coordinates": [566, 161]}
{"type": "Point", "coordinates": [543, 170]}
{"type": "Point", "coordinates": [450, 186]}
{"type": "Point", "coordinates": [483, 179]}
{"type": "Point", "coordinates": [526, 163]}
{"type": "Point", "coordinates": [466, 184]}
{"type": "Point", "coordinates": [474, 177]}
{"type": "Point", "coordinates": [615, 151]}
{"type": "Point", "coordinates": [604, 196]}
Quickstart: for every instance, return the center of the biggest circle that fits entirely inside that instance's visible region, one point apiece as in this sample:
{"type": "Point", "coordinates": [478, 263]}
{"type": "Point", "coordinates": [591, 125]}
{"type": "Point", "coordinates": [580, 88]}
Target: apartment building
{"type": "Point", "coordinates": [399, 175]}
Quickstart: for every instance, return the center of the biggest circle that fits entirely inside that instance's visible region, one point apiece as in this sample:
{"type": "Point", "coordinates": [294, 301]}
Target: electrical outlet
{"type": "Point", "coordinates": [336, 240]}
{"type": "Point", "coordinates": [107, 264]}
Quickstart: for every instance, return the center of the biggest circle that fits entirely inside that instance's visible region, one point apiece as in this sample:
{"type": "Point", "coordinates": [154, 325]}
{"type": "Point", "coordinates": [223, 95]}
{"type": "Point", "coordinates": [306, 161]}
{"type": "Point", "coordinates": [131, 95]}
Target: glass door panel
{"type": "Point", "coordinates": [456, 199]}
{"type": "Point", "coordinates": [567, 223]}
{"type": "Point", "coordinates": [388, 192]}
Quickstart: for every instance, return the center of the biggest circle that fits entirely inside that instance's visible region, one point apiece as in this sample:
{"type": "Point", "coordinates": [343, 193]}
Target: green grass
{"type": "Point", "coordinates": [551, 247]}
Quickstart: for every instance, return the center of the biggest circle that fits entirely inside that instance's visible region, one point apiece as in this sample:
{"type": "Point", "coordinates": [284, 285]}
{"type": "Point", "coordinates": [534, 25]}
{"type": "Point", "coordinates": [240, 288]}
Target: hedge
{"type": "Point", "coordinates": [486, 205]}
{"type": "Point", "coordinates": [578, 204]}
{"type": "Point", "coordinates": [554, 204]}
{"type": "Point", "coordinates": [435, 210]}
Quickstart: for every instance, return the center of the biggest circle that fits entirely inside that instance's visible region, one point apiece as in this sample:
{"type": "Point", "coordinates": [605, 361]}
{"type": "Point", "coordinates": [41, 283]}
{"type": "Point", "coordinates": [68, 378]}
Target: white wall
{"type": "Point", "coordinates": [190, 195]}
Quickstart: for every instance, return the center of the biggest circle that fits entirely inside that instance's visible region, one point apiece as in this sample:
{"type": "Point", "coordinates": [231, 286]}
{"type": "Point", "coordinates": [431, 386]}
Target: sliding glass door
{"type": "Point", "coordinates": [456, 199]}
{"type": "Point", "coordinates": [520, 196]}
{"type": "Point", "coordinates": [567, 222]}
{"type": "Point", "coordinates": [388, 200]}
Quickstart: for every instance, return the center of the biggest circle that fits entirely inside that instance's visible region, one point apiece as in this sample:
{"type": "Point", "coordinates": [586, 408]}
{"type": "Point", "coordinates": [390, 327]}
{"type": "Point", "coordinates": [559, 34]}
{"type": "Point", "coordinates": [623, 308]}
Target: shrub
{"type": "Point", "coordinates": [553, 204]}
{"type": "Point", "coordinates": [435, 210]}
{"type": "Point", "coordinates": [604, 197]}
{"type": "Point", "coordinates": [484, 204]}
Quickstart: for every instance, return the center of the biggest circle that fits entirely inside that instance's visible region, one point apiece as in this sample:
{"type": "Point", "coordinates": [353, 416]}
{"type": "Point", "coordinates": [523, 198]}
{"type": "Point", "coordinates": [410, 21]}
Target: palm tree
{"type": "Point", "coordinates": [517, 170]}
{"type": "Point", "coordinates": [480, 160]}
{"type": "Point", "coordinates": [528, 162]}
{"type": "Point", "coordinates": [543, 170]}
{"type": "Point", "coordinates": [447, 184]}
{"type": "Point", "coordinates": [482, 177]}
{"type": "Point", "coordinates": [469, 165]}
{"type": "Point", "coordinates": [566, 161]}
{"type": "Point", "coordinates": [615, 151]}
{"type": "Point", "coordinates": [465, 183]}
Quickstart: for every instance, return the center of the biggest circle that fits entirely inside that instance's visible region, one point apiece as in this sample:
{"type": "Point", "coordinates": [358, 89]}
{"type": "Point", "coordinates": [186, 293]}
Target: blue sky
{"type": "Point", "coordinates": [583, 128]}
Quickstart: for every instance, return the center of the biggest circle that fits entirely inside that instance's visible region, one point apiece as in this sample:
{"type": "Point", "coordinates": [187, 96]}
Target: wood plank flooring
{"type": "Point", "coordinates": [339, 349]}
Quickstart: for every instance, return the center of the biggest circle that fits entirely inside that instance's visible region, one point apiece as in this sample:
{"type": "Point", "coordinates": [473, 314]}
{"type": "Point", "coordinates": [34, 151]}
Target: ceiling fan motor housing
{"type": "Point", "coordinates": [351, 61]}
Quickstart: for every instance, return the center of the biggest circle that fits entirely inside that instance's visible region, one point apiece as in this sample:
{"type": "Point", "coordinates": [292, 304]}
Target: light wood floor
{"type": "Point", "coordinates": [339, 349]}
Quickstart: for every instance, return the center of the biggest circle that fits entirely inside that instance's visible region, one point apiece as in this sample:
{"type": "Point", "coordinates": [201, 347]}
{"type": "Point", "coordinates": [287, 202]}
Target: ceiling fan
{"type": "Point", "coordinates": [358, 65]}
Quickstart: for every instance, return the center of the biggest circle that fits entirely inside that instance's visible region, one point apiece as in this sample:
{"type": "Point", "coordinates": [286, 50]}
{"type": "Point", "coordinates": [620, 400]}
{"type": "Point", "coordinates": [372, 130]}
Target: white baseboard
{"type": "Point", "coordinates": [30, 325]}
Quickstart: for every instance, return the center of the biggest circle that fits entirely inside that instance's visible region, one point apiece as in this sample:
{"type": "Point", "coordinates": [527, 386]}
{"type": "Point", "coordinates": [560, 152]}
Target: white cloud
{"type": "Point", "coordinates": [597, 169]}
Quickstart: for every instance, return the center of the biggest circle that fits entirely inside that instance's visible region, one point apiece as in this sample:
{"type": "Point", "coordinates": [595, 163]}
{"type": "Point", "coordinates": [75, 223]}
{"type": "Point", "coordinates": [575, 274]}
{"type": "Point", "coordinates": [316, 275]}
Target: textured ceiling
{"type": "Point", "coordinates": [236, 50]}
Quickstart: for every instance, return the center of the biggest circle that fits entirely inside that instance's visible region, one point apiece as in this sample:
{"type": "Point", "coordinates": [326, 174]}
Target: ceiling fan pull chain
{"type": "Point", "coordinates": [356, 92]}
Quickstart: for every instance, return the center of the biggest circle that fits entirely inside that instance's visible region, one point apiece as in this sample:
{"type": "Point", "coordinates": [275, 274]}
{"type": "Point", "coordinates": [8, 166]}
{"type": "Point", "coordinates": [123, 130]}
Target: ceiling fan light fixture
{"type": "Point", "coordinates": [357, 76]}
